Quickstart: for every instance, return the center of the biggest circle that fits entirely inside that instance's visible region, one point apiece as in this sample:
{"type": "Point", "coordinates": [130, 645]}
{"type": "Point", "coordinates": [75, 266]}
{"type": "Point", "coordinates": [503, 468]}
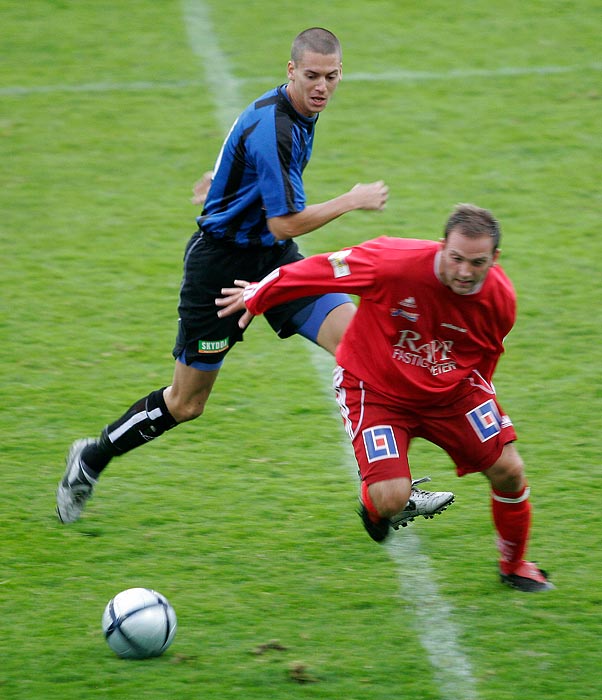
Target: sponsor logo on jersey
{"type": "Point", "coordinates": [434, 355]}
{"type": "Point", "coordinates": [339, 264]}
{"type": "Point", "coordinates": [405, 314]}
{"type": "Point", "coordinates": [380, 443]}
{"type": "Point", "coordinates": [408, 303]}
{"type": "Point", "coordinates": [209, 346]}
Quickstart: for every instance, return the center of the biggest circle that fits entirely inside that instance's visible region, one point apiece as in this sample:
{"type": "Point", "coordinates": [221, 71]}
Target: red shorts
{"type": "Point", "coordinates": [473, 431]}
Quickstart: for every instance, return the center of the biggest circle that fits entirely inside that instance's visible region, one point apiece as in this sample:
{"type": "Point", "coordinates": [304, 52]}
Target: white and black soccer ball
{"type": "Point", "coordinates": [139, 623]}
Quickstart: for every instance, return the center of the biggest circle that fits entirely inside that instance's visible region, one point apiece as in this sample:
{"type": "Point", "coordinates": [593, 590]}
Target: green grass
{"type": "Point", "coordinates": [245, 519]}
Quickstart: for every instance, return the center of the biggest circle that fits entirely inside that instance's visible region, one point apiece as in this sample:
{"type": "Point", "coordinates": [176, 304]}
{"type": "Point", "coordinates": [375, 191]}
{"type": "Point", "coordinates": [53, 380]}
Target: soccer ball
{"type": "Point", "coordinates": [139, 623]}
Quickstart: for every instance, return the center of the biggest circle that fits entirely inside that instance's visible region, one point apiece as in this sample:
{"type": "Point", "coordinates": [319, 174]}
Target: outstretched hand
{"type": "Point", "coordinates": [372, 195]}
{"type": "Point", "coordinates": [233, 301]}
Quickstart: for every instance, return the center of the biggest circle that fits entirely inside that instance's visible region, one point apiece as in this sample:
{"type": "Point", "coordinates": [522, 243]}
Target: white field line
{"type": "Point", "coordinates": [431, 614]}
{"type": "Point", "coordinates": [212, 78]}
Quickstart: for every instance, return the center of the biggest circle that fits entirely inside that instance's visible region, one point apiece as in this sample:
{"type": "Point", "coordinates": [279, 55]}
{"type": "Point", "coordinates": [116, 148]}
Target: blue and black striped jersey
{"type": "Point", "coordinates": [258, 173]}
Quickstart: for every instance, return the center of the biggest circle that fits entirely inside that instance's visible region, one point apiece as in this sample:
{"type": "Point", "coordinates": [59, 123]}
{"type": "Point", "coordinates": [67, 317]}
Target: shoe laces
{"type": "Point", "coordinates": [423, 480]}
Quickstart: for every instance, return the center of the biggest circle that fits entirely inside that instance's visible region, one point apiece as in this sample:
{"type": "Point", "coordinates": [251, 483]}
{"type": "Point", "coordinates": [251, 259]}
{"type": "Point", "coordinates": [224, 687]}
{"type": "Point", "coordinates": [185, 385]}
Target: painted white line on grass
{"type": "Point", "coordinates": [105, 86]}
{"type": "Point", "coordinates": [198, 20]}
{"type": "Point", "coordinates": [461, 73]}
{"type": "Point", "coordinates": [222, 85]}
{"type": "Point", "coordinates": [431, 614]}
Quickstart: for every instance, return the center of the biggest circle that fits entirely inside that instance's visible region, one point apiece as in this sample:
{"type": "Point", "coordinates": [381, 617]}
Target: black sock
{"type": "Point", "coordinates": [142, 422]}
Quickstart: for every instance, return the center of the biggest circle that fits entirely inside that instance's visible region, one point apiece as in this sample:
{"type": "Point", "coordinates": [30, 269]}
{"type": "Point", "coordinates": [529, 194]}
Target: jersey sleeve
{"type": "Point", "coordinates": [351, 270]}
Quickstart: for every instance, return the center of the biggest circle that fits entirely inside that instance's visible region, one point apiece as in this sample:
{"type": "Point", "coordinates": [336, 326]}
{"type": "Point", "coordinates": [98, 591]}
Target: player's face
{"type": "Point", "coordinates": [312, 80]}
{"type": "Point", "coordinates": [465, 262]}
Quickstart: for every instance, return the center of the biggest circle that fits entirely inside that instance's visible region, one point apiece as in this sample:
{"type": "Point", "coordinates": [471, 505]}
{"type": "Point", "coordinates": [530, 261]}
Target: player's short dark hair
{"type": "Point", "coordinates": [316, 40]}
{"type": "Point", "coordinates": [474, 222]}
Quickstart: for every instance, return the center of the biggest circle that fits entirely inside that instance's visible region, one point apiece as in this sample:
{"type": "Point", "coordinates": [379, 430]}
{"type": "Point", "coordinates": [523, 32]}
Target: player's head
{"type": "Point", "coordinates": [474, 222]}
{"type": "Point", "coordinates": [316, 40]}
{"type": "Point", "coordinates": [470, 248]}
{"type": "Point", "coordinates": [314, 70]}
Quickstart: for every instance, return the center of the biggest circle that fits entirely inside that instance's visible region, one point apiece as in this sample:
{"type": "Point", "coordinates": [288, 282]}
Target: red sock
{"type": "Point", "coordinates": [367, 501]}
{"type": "Point", "coordinates": [512, 518]}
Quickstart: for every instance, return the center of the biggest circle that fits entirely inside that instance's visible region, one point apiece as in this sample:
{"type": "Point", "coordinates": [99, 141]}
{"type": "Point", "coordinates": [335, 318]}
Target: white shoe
{"type": "Point", "coordinates": [425, 503]}
{"type": "Point", "coordinates": [76, 486]}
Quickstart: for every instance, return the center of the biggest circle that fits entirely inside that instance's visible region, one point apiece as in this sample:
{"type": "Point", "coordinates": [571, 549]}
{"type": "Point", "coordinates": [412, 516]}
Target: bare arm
{"type": "Point", "coordinates": [372, 196]}
{"type": "Point", "coordinates": [201, 188]}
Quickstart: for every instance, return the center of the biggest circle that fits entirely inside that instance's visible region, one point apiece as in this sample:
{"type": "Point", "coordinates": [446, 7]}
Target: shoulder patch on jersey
{"type": "Point", "coordinates": [339, 264]}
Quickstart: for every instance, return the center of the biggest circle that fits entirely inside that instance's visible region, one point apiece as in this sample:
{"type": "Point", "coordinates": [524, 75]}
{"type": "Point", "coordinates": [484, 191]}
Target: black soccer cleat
{"type": "Point", "coordinates": [527, 578]}
{"type": "Point", "coordinates": [378, 531]}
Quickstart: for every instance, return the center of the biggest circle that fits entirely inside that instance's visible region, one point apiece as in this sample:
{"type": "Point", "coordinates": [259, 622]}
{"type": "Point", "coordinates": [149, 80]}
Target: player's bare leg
{"type": "Point", "coordinates": [189, 391]}
{"type": "Point", "coordinates": [508, 473]}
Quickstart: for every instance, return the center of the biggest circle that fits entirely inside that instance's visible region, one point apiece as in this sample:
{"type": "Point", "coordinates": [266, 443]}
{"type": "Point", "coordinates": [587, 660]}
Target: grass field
{"type": "Point", "coordinates": [245, 519]}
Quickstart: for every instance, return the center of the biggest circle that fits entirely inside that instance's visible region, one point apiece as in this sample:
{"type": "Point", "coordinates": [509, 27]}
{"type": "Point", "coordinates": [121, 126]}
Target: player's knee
{"type": "Point", "coordinates": [189, 392]}
{"type": "Point", "coordinates": [508, 473]}
{"type": "Point", "coordinates": [188, 411]}
{"type": "Point", "coordinates": [185, 409]}
{"type": "Point", "coordinates": [391, 505]}
{"type": "Point", "coordinates": [390, 497]}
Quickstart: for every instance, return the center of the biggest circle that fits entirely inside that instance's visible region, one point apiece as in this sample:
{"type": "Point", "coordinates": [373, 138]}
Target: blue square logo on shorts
{"type": "Point", "coordinates": [380, 443]}
{"type": "Point", "coordinates": [485, 420]}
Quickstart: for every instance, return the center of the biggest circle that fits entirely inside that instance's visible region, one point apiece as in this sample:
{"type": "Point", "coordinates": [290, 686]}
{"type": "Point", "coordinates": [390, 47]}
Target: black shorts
{"type": "Point", "coordinates": [210, 265]}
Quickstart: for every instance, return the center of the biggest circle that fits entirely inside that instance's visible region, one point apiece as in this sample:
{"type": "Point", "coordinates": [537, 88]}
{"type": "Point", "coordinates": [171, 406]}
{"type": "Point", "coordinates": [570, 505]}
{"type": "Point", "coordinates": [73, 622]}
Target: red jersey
{"type": "Point", "coordinates": [412, 339]}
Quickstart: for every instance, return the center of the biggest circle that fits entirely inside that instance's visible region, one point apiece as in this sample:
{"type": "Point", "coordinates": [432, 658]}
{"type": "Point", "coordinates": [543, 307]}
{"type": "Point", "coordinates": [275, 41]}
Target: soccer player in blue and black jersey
{"type": "Point", "coordinates": [254, 209]}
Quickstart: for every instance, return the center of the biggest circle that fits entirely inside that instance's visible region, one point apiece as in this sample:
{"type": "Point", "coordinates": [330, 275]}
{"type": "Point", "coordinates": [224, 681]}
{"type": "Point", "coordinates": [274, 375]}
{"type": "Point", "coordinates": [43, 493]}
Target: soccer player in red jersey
{"type": "Point", "coordinates": [417, 361]}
